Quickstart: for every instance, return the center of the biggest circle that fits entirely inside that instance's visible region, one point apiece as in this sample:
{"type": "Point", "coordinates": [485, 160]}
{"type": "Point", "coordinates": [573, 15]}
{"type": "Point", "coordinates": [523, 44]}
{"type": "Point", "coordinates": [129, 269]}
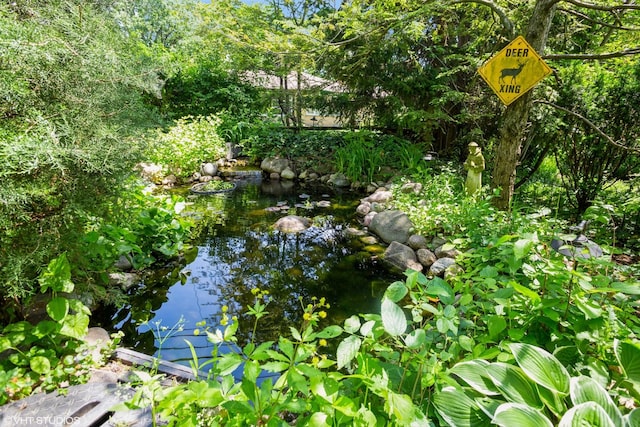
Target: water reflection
{"type": "Point", "coordinates": [236, 251]}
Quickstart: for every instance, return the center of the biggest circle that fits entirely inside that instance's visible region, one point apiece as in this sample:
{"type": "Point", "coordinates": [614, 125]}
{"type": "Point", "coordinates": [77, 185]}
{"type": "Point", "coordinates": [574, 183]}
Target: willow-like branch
{"type": "Point", "coordinates": [589, 123]}
{"type": "Point", "coordinates": [504, 19]}
{"type": "Point", "coordinates": [597, 21]}
{"type": "Point", "coordinates": [602, 7]}
{"type": "Point", "coordinates": [593, 56]}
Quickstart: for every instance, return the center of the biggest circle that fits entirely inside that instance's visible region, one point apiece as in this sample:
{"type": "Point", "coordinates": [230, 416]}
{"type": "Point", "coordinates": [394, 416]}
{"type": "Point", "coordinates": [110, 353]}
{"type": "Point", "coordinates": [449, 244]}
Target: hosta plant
{"type": "Point", "coordinates": [537, 390]}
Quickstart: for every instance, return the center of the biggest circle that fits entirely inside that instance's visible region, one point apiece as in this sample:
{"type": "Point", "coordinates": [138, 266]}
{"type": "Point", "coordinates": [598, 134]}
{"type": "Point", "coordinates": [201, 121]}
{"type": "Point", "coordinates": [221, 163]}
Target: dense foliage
{"type": "Point", "coordinates": [88, 89]}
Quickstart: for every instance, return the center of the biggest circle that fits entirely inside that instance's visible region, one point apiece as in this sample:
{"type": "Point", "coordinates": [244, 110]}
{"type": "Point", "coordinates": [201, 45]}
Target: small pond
{"type": "Point", "coordinates": [237, 250]}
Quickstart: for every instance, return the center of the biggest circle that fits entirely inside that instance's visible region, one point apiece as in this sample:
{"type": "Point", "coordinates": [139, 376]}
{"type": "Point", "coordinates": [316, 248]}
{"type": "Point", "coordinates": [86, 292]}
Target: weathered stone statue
{"type": "Point", "coordinates": [474, 165]}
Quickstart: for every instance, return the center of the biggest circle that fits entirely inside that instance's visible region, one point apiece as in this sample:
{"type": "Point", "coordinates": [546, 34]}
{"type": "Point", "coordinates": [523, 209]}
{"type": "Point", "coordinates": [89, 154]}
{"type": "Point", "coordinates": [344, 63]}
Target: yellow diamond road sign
{"type": "Point", "coordinates": [514, 70]}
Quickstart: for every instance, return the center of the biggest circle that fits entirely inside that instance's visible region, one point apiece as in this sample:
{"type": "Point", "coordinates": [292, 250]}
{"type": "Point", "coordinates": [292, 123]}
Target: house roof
{"type": "Point", "coordinates": [307, 81]}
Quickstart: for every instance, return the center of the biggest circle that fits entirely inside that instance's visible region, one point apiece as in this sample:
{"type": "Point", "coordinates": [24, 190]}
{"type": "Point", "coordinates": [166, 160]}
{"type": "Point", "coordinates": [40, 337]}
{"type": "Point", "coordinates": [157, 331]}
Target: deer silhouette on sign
{"type": "Point", "coordinates": [512, 72]}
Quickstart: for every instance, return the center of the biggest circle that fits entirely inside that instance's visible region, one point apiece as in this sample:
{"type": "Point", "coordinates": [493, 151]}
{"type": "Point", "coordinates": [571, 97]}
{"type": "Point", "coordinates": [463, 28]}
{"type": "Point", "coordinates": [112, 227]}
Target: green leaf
{"type": "Point", "coordinates": [589, 308]}
{"type": "Point", "coordinates": [318, 419]}
{"type": "Point", "coordinates": [466, 342]}
{"type": "Point", "coordinates": [228, 363]}
{"type": "Point", "coordinates": [352, 324]}
{"type": "Point", "coordinates": [40, 364]}
{"type": "Point", "coordinates": [475, 374]}
{"type": "Point", "coordinates": [396, 291]}
{"type": "Point", "coordinates": [58, 308]}
{"type": "Point", "coordinates": [517, 414]}
{"type": "Point", "coordinates": [394, 320]}
{"type": "Point", "coordinates": [441, 289]}
{"type": "Point", "coordinates": [57, 276]}
{"type": "Point", "coordinates": [628, 354]}
{"type": "Point", "coordinates": [458, 409]}
{"type": "Point", "coordinates": [522, 247]}
{"type": "Point", "coordinates": [330, 332]}
{"type": "Point", "coordinates": [275, 366]}
{"type": "Point", "coordinates": [347, 350]}
{"type": "Point", "coordinates": [514, 384]}
{"type": "Point", "coordinates": [586, 414]}
{"type": "Point", "coordinates": [75, 326]}
{"type": "Point", "coordinates": [523, 290]}
{"type": "Point", "coordinates": [542, 367]}
{"type": "Point", "coordinates": [586, 389]}
{"type": "Point", "coordinates": [496, 325]}
{"type": "Point", "coordinates": [416, 339]}
{"type": "Point", "coordinates": [633, 418]}
{"type": "Point", "coordinates": [251, 371]}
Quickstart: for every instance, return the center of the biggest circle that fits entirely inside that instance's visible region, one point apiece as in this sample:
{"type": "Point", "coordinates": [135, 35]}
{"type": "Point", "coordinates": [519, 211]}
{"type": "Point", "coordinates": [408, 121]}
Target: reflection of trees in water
{"type": "Point", "coordinates": [239, 251]}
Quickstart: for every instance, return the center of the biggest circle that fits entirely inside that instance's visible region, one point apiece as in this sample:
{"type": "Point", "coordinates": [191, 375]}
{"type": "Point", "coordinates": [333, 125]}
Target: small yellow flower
{"type": "Point", "coordinates": [225, 308]}
{"type": "Point", "coordinates": [322, 342]}
{"type": "Point", "coordinates": [322, 314]}
{"type": "Point", "coordinates": [315, 360]}
{"type": "Point", "coordinates": [196, 332]}
{"type": "Point", "coordinates": [306, 316]}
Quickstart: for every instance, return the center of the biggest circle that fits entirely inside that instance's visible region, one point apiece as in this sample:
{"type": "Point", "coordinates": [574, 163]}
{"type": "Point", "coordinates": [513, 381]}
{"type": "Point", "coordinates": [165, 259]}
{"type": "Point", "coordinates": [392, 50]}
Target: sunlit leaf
{"type": "Point", "coordinates": [394, 320]}
{"type": "Point", "coordinates": [586, 414]}
{"type": "Point", "coordinates": [347, 350]}
{"type": "Point", "coordinates": [58, 308]}
{"type": "Point", "coordinates": [628, 354]}
{"type": "Point", "coordinates": [40, 364]}
{"type": "Point", "coordinates": [517, 414]}
{"type": "Point", "coordinates": [585, 389]}
{"type": "Point", "coordinates": [541, 366]}
{"type": "Point", "coordinates": [514, 384]}
{"type": "Point", "coordinates": [474, 373]}
{"type": "Point", "coordinates": [396, 291]}
{"type": "Point", "coordinates": [458, 409]}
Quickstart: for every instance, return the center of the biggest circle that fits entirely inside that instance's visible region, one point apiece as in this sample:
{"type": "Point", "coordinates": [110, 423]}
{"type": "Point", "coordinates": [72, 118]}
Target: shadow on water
{"type": "Point", "coordinates": [236, 250]}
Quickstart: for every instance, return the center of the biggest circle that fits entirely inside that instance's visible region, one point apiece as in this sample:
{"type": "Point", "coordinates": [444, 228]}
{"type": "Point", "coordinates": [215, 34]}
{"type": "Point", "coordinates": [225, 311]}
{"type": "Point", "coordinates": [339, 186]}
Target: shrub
{"type": "Point", "coordinates": [187, 144]}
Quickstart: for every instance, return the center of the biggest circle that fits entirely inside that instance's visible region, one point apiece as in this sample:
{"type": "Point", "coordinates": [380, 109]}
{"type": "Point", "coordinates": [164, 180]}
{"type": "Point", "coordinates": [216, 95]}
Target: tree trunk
{"type": "Point", "coordinates": [514, 118]}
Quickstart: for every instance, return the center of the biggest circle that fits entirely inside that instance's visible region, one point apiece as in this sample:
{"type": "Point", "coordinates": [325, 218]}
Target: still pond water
{"type": "Point", "coordinates": [237, 250]}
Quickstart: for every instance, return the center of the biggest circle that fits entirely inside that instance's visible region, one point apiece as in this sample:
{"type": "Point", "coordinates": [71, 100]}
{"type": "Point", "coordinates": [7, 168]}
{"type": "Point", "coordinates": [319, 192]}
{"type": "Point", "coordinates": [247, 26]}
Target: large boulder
{"type": "Point", "coordinates": [292, 224]}
{"type": "Point", "coordinates": [391, 226]}
{"type": "Point", "coordinates": [274, 165]}
{"type": "Point", "coordinates": [401, 256]}
{"type": "Point", "coordinates": [439, 267]}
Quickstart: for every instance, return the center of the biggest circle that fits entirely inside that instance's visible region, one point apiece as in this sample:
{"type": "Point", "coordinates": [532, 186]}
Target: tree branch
{"type": "Point", "coordinates": [589, 123]}
{"type": "Point", "coordinates": [597, 21]}
{"type": "Point", "coordinates": [602, 7]}
{"type": "Point", "coordinates": [504, 19]}
{"type": "Point", "coordinates": [593, 56]}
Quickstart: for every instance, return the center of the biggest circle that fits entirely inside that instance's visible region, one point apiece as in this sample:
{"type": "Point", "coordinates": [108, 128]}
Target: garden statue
{"type": "Point", "coordinates": [474, 166]}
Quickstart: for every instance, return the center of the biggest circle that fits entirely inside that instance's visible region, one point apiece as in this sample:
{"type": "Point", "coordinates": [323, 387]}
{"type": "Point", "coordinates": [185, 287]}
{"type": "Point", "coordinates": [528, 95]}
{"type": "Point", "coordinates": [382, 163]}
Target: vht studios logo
{"type": "Point", "coordinates": [514, 70]}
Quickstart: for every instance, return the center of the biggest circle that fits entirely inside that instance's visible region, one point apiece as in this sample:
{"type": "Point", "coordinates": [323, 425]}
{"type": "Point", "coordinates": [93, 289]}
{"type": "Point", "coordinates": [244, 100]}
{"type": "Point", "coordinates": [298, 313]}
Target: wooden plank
{"type": "Point", "coordinates": [181, 372]}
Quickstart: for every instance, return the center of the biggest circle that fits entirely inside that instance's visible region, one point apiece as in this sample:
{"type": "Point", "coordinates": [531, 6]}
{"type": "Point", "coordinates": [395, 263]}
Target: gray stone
{"type": "Point", "coordinates": [124, 280]}
{"type": "Point", "coordinates": [453, 271]}
{"type": "Point", "coordinates": [366, 221]}
{"type": "Point", "coordinates": [411, 187]}
{"type": "Point", "coordinates": [417, 241]}
{"type": "Point", "coordinates": [437, 241]}
{"type": "Point", "coordinates": [401, 256]}
{"type": "Point", "coordinates": [339, 180]}
{"type": "Point", "coordinates": [363, 208]}
{"type": "Point", "coordinates": [209, 169]}
{"type": "Point", "coordinates": [288, 174]}
{"type": "Point", "coordinates": [391, 225]}
{"type": "Point", "coordinates": [447, 251]}
{"type": "Point", "coordinates": [123, 264]}
{"type": "Point", "coordinates": [438, 268]}
{"type": "Point", "coordinates": [271, 165]}
{"type": "Point", "coordinates": [426, 257]}
{"type": "Point", "coordinates": [292, 224]}
{"type": "Point", "coordinates": [381, 195]}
